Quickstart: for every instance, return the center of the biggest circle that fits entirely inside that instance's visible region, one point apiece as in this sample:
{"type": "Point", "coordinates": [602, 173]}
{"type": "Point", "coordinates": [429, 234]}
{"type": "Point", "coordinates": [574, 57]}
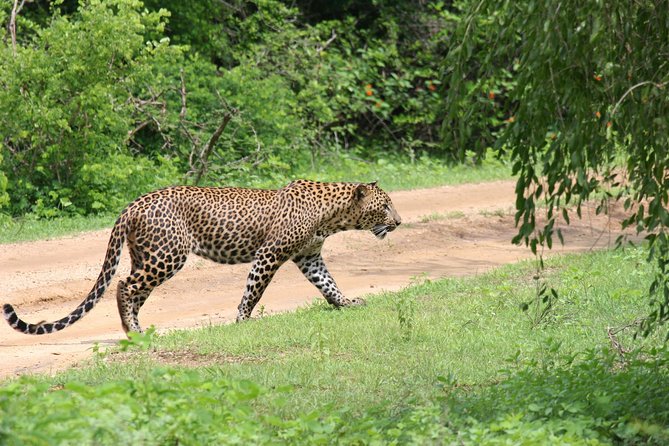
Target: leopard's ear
{"type": "Point", "coordinates": [372, 184]}
{"type": "Point", "coordinates": [362, 190]}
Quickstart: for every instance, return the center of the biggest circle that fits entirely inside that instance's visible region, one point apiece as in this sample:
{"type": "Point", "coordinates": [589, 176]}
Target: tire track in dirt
{"type": "Point", "coordinates": [446, 231]}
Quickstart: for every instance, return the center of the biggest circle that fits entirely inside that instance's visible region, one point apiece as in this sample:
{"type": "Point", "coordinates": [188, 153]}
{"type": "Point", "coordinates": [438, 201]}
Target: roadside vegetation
{"type": "Point", "coordinates": [442, 362]}
{"type": "Point", "coordinates": [399, 175]}
{"type": "Point", "coordinates": [579, 91]}
{"type": "Point", "coordinates": [104, 100]}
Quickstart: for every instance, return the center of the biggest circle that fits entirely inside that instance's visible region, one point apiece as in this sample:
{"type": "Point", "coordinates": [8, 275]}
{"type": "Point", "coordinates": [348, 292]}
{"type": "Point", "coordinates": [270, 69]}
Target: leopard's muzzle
{"type": "Point", "coordinates": [382, 230]}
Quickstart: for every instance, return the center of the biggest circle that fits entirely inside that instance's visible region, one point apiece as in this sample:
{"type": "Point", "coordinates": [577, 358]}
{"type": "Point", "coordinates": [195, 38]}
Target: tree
{"type": "Point", "coordinates": [586, 108]}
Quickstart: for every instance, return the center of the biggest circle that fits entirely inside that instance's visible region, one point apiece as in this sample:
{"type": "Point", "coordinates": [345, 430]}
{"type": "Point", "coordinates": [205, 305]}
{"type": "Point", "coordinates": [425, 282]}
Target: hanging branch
{"type": "Point", "coordinates": [199, 155]}
{"type": "Point", "coordinates": [634, 87]}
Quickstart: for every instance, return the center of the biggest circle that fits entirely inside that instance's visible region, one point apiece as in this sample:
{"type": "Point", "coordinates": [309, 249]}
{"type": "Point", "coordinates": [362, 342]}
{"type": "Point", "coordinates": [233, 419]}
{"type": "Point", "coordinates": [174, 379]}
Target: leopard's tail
{"type": "Point", "coordinates": [112, 258]}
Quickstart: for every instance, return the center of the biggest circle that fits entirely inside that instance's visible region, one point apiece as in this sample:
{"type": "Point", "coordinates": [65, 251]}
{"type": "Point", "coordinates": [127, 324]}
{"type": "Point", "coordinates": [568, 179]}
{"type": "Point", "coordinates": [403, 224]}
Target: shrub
{"type": "Point", "coordinates": [66, 101]}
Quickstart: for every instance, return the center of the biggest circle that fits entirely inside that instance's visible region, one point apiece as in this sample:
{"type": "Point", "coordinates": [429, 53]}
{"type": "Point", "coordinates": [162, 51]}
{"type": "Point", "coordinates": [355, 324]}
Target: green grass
{"type": "Point", "coordinates": [499, 212]}
{"type": "Point", "coordinates": [452, 361]}
{"type": "Point", "coordinates": [25, 229]}
{"type": "Point", "coordinates": [392, 175]}
{"type": "Point", "coordinates": [436, 216]}
{"type": "Point", "coordinates": [402, 175]}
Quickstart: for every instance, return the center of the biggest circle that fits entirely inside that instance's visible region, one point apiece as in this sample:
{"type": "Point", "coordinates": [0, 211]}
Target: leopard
{"type": "Point", "coordinates": [229, 225]}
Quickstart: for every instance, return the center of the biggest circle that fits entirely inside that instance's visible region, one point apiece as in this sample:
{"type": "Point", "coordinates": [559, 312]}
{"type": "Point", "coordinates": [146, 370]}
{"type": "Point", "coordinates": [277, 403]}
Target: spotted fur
{"type": "Point", "coordinates": [229, 225]}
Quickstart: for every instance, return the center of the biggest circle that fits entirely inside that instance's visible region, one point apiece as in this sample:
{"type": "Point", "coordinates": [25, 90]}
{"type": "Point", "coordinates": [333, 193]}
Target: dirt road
{"type": "Point", "coordinates": [446, 231]}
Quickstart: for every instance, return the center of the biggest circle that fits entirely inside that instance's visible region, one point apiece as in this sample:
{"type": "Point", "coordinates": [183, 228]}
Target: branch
{"type": "Point", "coordinates": [383, 124]}
{"type": "Point", "coordinates": [469, 23]}
{"type": "Point", "coordinates": [327, 42]}
{"type": "Point", "coordinates": [230, 6]}
{"type": "Point", "coordinates": [204, 156]}
{"type": "Point", "coordinates": [143, 124]}
{"type": "Point", "coordinates": [182, 113]}
{"type": "Point", "coordinates": [12, 22]}
{"type": "Point", "coordinates": [634, 87]}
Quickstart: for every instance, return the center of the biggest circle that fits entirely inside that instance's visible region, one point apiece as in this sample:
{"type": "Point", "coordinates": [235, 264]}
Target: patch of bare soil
{"type": "Point", "coordinates": [446, 231]}
{"type": "Point", "coordinates": [186, 358]}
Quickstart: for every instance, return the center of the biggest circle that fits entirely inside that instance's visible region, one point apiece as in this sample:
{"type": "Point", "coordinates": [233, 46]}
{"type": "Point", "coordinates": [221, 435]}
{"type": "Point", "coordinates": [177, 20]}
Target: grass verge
{"type": "Point", "coordinates": [402, 175]}
{"type": "Point", "coordinates": [27, 228]}
{"type": "Point", "coordinates": [452, 361]}
{"type": "Point", "coordinates": [392, 175]}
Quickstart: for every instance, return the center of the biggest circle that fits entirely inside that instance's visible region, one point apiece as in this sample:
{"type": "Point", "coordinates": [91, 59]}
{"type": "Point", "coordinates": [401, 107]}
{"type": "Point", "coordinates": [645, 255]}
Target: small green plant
{"type": "Point", "coordinates": [419, 279]}
{"type": "Point", "coordinates": [99, 352]}
{"type": "Point", "coordinates": [541, 306]}
{"type": "Point", "coordinates": [141, 341]}
{"type": "Point", "coordinates": [405, 306]}
{"type": "Point", "coordinates": [447, 383]}
{"type": "Point", "coordinates": [319, 341]}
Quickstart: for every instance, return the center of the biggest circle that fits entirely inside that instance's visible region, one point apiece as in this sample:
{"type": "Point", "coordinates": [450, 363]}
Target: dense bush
{"type": "Point", "coordinates": [213, 92]}
{"type": "Point", "coordinates": [67, 103]}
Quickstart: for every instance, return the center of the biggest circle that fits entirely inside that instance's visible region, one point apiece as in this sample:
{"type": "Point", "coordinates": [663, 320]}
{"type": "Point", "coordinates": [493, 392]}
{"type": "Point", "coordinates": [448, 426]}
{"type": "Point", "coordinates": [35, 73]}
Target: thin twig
{"type": "Point", "coordinates": [182, 113]}
{"type": "Point", "coordinates": [384, 125]}
{"type": "Point", "coordinates": [615, 343]}
{"type": "Point", "coordinates": [327, 42]}
{"type": "Point", "coordinates": [557, 96]}
{"type": "Point", "coordinates": [188, 134]}
{"type": "Point", "coordinates": [634, 87]}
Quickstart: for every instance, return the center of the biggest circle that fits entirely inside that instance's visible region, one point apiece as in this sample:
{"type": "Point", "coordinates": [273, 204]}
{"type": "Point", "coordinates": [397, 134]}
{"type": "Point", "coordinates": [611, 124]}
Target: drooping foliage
{"type": "Point", "coordinates": [579, 91]}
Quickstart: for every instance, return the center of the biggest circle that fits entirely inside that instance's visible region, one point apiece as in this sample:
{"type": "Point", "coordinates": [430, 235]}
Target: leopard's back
{"type": "Point", "coordinates": [223, 224]}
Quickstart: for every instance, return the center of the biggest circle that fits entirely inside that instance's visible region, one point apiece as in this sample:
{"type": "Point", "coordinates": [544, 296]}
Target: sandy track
{"type": "Point", "coordinates": [470, 232]}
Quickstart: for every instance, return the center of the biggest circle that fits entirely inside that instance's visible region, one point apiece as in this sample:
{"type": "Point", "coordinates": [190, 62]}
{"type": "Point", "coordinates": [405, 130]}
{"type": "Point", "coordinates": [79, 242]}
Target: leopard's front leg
{"type": "Point", "coordinates": [266, 264]}
{"type": "Point", "coordinates": [313, 267]}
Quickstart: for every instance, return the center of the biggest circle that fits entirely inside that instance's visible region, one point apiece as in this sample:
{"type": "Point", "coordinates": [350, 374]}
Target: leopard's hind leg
{"type": "Point", "coordinates": [150, 268]}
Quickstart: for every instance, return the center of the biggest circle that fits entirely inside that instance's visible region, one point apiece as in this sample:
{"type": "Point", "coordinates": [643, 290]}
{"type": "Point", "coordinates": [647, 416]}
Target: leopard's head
{"type": "Point", "coordinates": [377, 211]}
